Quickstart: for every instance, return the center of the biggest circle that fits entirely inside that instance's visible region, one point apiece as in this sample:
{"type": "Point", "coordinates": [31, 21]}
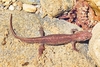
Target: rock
{"type": "Point", "coordinates": [94, 44]}
{"type": "Point", "coordinates": [30, 1]}
{"type": "Point", "coordinates": [95, 4]}
{"type": "Point", "coordinates": [55, 7]}
{"type": "Point", "coordinates": [11, 7]}
{"type": "Point", "coordinates": [15, 4]}
{"type": "Point", "coordinates": [1, 7]}
{"type": "Point", "coordinates": [19, 5]}
{"type": "Point", "coordinates": [14, 0]}
{"type": "Point", "coordinates": [6, 0]}
{"type": "Point", "coordinates": [7, 3]}
{"type": "Point", "coordinates": [15, 52]}
{"type": "Point", "coordinates": [29, 8]}
{"type": "Point", "coordinates": [6, 7]}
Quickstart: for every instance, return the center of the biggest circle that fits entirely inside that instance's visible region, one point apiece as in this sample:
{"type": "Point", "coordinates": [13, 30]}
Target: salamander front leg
{"type": "Point", "coordinates": [74, 30]}
{"type": "Point", "coordinates": [41, 47]}
{"type": "Point", "coordinates": [74, 46]}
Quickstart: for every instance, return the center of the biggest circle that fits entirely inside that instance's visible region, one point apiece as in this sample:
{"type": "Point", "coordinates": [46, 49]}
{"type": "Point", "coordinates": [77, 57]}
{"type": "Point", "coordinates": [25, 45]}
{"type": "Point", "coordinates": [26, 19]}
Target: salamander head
{"type": "Point", "coordinates": [82, 36]}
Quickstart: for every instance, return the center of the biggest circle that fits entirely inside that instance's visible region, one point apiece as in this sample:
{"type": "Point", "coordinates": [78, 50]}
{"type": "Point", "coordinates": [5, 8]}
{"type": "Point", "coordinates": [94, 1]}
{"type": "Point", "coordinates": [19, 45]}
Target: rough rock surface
{"type": "Point", "coordinates": [15, 53]}
{"type": "Point", "coordinates": [55, 7]}
{"type": "Point", "coordinates": [95, 4]}
{"type": "Point", "coordinates": [94, 45]}
{"type": "Point", "coordinates": [30, 1]}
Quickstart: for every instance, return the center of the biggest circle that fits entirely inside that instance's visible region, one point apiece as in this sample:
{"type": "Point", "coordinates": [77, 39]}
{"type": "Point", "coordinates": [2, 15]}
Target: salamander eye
{"type": "Point", "coordinates": [87, 37]}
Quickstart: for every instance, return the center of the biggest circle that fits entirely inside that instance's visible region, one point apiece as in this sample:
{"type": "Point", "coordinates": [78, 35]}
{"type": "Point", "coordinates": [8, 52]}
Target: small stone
{"type": "Point", "coordinates": [15, 4]}
{"type": "Point", "coordinates": [1, 6]}
{"type": "Point", "coordinates": [13, 0]}
{"type": "Point", "coordinates": [11, 7]}
{"type": "Point", "coordinates": [29, 8]}
{"type": "Point", "coordinates": [4, 0]}
{"type": "Point", "coordinates": [18, 8]}
{"type": "Point", "coordinates": [6, 7]}
{"type": "Point", "coordinates": [19, 5]}
{"type": "Point", "coordinates": [7, 3]}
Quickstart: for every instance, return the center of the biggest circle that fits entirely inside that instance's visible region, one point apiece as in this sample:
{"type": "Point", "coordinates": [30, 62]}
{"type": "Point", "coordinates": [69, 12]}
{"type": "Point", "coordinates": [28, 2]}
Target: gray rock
{"type": "Point", "coordinates": [94, 45]}
{"type": "Point", "coordinates": [15, 52]}
{"type": "Point", "coordinates": [30, 1]}
{"type": "Point", "coordinates": [55, 7]}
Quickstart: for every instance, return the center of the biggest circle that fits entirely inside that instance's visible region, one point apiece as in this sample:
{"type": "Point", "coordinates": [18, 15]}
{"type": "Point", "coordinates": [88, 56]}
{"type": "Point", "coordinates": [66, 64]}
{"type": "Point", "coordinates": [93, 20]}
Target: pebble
{"type": "Point", "coordinates": [1, 7]}
{"type": "Point", "coordinates": [13, 0]}
{"type": "Point", "coordinates": [15, 4]}
{"type": "Point", "coordinates": [7, 3]}
{"type": "Point", "coordinates": [6, 7]}
{"type": "Point", "coordinates": [19, 5]}
{"type": "Point", "coordinates": [29, 8]}
{"type": "Point", "coordinates": [4, 0]}
{"type": "Point", "coordinates": [11, 7]}
{"type": "Point", "coordinates": [18, 8]}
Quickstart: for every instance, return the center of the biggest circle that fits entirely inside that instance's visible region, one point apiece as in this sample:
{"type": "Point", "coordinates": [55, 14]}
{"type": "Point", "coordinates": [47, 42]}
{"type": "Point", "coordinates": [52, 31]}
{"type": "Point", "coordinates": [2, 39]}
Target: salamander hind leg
{"type": "Point", "coordinates": [42, 33]}
{"type": "Point", "coordinates": [41, 47]}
